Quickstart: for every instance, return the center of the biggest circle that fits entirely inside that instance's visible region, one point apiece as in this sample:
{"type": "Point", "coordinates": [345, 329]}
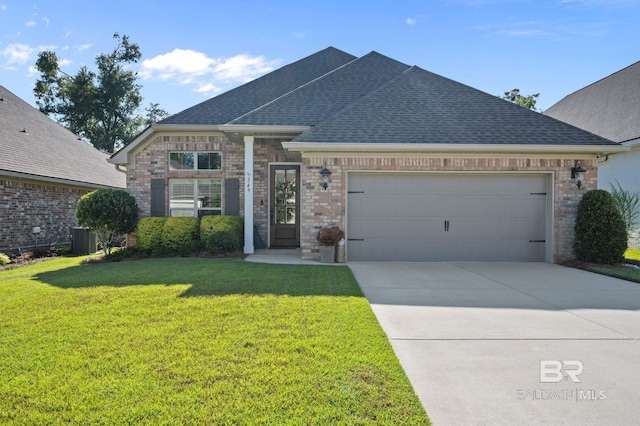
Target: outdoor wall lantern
{"type": "Point", "coordinates": [325, 173]}
{"type": "Point", "coordinates": [577, 173]}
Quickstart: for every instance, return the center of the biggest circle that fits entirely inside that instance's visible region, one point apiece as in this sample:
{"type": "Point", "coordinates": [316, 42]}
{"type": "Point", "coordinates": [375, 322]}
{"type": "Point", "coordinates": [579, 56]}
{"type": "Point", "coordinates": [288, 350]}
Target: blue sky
{"type": "Point", "coordinates": [192, 50]}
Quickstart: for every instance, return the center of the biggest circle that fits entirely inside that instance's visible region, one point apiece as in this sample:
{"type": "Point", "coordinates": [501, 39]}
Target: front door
{"type": "Point", "coordinates": [285, 206]}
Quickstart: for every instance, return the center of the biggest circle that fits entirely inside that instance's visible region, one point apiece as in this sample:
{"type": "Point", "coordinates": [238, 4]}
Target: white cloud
{"type": "Point", "coordinates": [30, 23]}
{"type": "Point", "coordinates": [3, 7]}
{"type": "Point", "coordinates": [46, 21]}
{"type": "Point", "coordinates": [300, 34]}
{"type": "Point", "coordinates": [17, 53]}
{"type": "Point", "coordinates": [82, 47]}
{"type": "Point", "coordinates": [189, 67]}
{"type": "Point", "coordinates": [411, 21]}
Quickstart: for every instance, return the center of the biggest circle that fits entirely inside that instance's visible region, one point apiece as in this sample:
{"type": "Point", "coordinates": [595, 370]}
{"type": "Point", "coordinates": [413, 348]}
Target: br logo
{"type": "Point", "coordinates": [552, 371]}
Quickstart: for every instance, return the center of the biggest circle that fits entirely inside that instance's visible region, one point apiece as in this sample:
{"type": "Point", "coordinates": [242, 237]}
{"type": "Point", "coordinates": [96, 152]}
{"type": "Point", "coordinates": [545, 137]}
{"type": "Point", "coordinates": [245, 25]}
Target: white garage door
{"type": "Point", "coordinates": [444, 217]}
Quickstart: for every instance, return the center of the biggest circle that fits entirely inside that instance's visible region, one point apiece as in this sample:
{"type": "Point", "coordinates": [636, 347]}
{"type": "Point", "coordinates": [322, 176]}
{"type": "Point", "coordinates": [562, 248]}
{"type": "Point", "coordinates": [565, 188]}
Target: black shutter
{"type": "Point", "coordinates": [157, 197]}
{"type": "Point", "coordinates": [232, 197]}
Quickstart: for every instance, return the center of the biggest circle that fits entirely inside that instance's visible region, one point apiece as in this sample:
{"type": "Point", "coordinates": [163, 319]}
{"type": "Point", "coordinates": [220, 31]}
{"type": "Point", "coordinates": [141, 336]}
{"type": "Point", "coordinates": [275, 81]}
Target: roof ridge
{"type": "Point", "coordinates": [294, 90]}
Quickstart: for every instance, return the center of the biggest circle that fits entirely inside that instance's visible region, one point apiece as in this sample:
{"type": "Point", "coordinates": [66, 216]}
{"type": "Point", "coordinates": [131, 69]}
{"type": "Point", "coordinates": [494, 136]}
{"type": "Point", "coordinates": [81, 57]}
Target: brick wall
{"type": "Point", "coordinates": [26, 203]}
{"type": "Point", "coordinates": [328, 208]}
{"type": "Point", "coordinates": [152, 163]}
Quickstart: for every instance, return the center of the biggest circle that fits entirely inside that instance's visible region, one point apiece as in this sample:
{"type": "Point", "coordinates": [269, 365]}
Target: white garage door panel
{"type": "Point", "coordinates": [403, 217]}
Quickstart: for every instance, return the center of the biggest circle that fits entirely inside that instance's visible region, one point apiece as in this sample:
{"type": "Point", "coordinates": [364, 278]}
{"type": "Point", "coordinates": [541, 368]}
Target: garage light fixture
{"type": "Point", "coordinates": [577, 172]}
{"type": "Point", "coordinates": [325, 173]}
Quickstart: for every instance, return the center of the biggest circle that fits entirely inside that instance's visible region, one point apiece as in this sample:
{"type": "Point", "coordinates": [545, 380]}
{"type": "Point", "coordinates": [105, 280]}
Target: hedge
{"type": "Point", "coordinates": [181, 235]}
{"type": "Point", "coordinates": [222, 234]}
{"type": "Point", "coordinates": [149, 233]}
{"type": "Point", "coordinates": [600, 230]}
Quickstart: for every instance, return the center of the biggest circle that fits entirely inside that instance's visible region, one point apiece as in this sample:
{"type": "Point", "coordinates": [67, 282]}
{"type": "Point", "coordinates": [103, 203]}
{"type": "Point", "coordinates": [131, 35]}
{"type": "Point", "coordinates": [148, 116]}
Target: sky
{"type": "Point", "coordinates": [193, 50]}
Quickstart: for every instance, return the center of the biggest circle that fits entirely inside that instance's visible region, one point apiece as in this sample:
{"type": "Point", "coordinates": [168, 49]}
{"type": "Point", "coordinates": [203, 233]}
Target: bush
{"type": "Point", "coordinates": [223, 242]}
{"type": "Point", "coordinates": [108, 213]}
{"type": "Point", "coordinates": [181, 235]}
{"type": "Point", "coordinates": [149, 234]}
{"type": "Point", "coordinates": [600, 230]}
{"type": "Point", "coordinates": [234, 224]}
{"type": "Point", "coordinates": [628, 204]}
{"type": "Point", "coordinates": [122, 254]}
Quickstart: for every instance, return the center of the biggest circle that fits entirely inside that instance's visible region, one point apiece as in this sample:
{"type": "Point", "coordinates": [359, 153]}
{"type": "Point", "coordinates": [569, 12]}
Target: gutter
{"type": "Point", "coordinates": [324, 147]}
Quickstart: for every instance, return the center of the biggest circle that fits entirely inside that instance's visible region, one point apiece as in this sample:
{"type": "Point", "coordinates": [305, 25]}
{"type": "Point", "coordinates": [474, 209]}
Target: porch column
{"type": "Point", "coordinates": [248, 194]}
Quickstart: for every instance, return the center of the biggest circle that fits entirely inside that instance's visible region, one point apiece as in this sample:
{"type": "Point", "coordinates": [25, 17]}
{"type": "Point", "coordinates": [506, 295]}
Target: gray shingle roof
{"type": "Point", "coordinates": [323, 97]}
{"type": "Point", "coordinates": [48, 150]}
{"type": "Point", "coordinates": [243, 99]}
{"type": "Point", "coordinates": [422, 107]}
{"type": "Point", "coordinates": [609, 107]}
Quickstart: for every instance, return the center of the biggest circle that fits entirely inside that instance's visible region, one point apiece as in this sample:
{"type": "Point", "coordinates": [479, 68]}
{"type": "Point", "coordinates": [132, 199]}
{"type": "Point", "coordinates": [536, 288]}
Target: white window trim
{"type": "Point", "coordinates": [195, 209]}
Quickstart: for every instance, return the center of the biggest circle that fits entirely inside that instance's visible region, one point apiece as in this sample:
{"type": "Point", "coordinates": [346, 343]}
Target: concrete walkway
{"type": "Point", "coordinates": [485, 343]}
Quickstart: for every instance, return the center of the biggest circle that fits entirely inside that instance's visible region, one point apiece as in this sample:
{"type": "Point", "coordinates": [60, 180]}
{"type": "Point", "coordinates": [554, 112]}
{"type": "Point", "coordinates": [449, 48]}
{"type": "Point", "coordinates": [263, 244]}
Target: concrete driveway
{"type": "Point", "coordinates": [511, 343]}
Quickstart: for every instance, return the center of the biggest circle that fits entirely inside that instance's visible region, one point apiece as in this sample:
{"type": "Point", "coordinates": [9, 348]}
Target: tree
{"type": "Point", "coordinates": [101, 106]}
{"type": "Point", "coordinates": [600, 230]}
{"type": "Point", "coordinates": [528, 101]}
{"type": "Point", "coordinates": [109, 213]}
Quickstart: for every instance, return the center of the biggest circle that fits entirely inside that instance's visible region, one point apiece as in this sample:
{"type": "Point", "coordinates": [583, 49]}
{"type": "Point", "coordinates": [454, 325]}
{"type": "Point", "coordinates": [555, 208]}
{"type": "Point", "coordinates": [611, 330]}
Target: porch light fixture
{"type": "Point", "coordinates": [577, 172]}
{"type": "Point", "coordinates": [325, 173]}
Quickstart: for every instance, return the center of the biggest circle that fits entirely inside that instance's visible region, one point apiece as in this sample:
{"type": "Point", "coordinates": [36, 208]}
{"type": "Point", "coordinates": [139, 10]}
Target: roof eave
{"type": "Point", "coordinates": [55, 180]}
{"type": "Point", "coordinates": [310, 147]}
{"type": "Point", "coordinates": [122, 157]}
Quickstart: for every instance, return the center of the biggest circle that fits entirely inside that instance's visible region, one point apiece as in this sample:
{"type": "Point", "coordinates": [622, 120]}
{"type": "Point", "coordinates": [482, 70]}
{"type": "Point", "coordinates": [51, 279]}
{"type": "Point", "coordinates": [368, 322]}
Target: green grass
{"type": "Point", "coordinates": [629, 274]}
{"type": "Point", "coordinates": [194, 341]}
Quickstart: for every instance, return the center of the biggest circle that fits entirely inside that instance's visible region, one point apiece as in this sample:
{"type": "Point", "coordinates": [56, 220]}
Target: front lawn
{"type": "Point", "coordinates": [194, 341]}
{"type": "Point", "coordinates": [628, 273]}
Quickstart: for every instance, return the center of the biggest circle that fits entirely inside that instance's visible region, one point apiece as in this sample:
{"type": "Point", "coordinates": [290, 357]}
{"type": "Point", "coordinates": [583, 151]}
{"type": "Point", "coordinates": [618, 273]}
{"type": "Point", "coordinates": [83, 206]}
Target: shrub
{"type": "Point", "coordinates": [628, 204]}
{"type": "Point", "coordinates": [223, 242]}
{"type": "Point", "coordinates": [4, 259]}
{"type": "Point", "coordinates": [122, 254]}
{"type": "Point", "coordinates": [149, 234]}
{"type": "Point", "coordinates": [109, 213]}
{"type": "Point", "coordinates": [234, 224]}
{"type": "Point", "coordinates": [181, 235]}
{"type": "Point", "coordinates": [600, 230]}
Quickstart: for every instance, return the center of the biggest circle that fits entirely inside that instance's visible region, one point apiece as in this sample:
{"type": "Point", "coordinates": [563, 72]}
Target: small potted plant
{"type": "Point", "coordinates": [328, 238]}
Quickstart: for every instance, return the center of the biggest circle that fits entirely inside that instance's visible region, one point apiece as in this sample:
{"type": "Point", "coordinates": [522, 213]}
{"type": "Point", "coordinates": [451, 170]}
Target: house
{"type": "Point", "coordinates": [44, 170]}
{"type": "Point", "coordinates": [610, 108]}
{"type": "Point", "coordinates": [411, 165]}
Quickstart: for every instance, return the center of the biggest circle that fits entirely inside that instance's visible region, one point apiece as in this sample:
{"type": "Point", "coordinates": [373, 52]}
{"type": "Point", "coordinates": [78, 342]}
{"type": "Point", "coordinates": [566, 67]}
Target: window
{"type": "Point", "coordinates": [195, 161]}
{"type": "Point", "coordinates": [195, 197]}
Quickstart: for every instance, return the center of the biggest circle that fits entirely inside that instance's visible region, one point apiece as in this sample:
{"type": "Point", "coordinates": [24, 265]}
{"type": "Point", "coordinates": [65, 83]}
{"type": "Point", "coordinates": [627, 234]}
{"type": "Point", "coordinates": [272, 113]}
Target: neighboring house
{"type": "Point", "coordinates": [610, 108]}
{"type": "Point", "coordinates": [44, 170]}
{"type": "Point", "coordinates": [422, 168]}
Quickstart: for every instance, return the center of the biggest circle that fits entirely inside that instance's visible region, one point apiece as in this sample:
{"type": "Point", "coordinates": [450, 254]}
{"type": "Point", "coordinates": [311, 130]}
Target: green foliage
{"type": "Point", "coordinates": [101, 106]}
{"type": "Point", "coordinates": [528, 101]}
{"type": "Point", "coordinates": [4, 259]}
{"type": "Point", "coordinates": [223, 242]}
{"type": "Point", "coordinates": [195, 341]}
{"type": "Point", "coordinates": [109, 213]}
{"type": "Point", "coordinates": [210, 224]}
{"type": "Point", "coordinates": [628, 204]}
{"type": "Point", "coordinates": [600, 230]}
{"type": "Point", "coordinates": [149, 233]}
{"type": "Point", "coordinates": [181, 235]}
{"type": "Point", "coordinates": [123, 254]}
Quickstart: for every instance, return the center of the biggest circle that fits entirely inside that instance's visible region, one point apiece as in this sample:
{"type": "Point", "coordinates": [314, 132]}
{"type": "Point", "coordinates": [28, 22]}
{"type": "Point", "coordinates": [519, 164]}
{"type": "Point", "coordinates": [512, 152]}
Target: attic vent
{"type": "Point", "coordinates": [1, 97]}
{"type": "Point", "coordinates": [24, 130]}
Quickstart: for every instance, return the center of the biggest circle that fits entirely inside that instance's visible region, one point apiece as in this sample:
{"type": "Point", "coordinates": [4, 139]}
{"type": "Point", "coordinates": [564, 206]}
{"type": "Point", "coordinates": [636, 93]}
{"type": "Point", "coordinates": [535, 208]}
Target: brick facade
{"type": "Point", "coordinates": [152, 163]}
{"type": "Point", "coordinates": [328, 208]}
{"type": "Point", "coordinates": [320, 208]}
{"type": "Point", "coordinates": [25, 204]}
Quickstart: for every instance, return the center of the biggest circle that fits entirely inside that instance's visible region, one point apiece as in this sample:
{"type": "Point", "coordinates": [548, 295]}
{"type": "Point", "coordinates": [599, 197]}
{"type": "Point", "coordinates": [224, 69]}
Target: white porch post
{"type": "Point", "coordinates": [248, 194]}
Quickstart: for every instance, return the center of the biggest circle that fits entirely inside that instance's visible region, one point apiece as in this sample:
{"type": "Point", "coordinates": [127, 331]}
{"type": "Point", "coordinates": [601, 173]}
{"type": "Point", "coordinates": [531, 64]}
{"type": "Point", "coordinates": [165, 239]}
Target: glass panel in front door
{"type": "Point", "coordinates": [285, 197]}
